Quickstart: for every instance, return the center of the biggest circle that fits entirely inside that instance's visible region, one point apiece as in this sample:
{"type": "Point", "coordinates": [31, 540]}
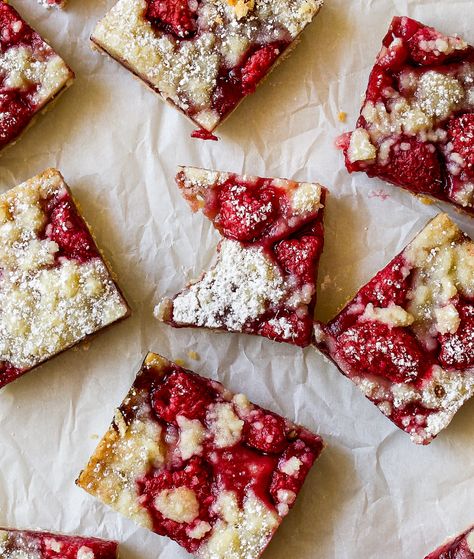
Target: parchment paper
{"type": "Point", "coordinates": [373, 493]}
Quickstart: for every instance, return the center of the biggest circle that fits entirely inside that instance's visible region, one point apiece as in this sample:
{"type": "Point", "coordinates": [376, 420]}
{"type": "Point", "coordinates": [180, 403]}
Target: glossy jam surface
{"type": "Point", "coordinates": [45, 545]}
{"type": "Point", "coordinates": [416, 128]}
{"type": "Point", "coordinates": [242, 452]}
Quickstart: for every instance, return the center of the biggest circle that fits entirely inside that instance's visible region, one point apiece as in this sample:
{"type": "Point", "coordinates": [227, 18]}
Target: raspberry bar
{"type": "Point", "coordinates": [416, 128]}
{"type": "Point", "coordinates": [407, 338]}
{"type": "Point", "coordinates": [189, 460]}
{"type": "Point", "coordinates": [203, 57]}
{"type": "Point", "coordinates": [32, 74]}
{"type": "Point", "coordinates": [264, 279]}
{"type": "Point", "coordinates": [461, 547]}
{"type": "Point", "coordinates": [26, 544]}
{"type": "Point", "coordinates": [55, 289]}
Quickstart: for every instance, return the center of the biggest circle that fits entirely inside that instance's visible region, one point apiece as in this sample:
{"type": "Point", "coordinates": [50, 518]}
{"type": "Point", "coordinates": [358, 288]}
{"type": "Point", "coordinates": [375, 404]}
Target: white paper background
{"type": "Point", "coordinates": [373, 493]}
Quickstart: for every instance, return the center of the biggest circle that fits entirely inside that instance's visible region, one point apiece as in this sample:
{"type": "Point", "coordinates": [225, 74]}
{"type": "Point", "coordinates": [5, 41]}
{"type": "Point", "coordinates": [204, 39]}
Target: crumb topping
{"type": "Point", "coordinates": [188, 71]}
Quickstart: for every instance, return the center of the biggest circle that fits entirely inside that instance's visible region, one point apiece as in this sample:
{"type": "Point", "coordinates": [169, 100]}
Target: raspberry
{"type": "Point", "coordinates": [461, 134]}
{"type": "Point", "coordinates": [8, 373]}
{"type": "Point", "coordinates": [16, 114]}
{"type": "Point", "coordinates": [374, 348]}
{"type": "Point", "coordinates": [12, 29]}
{"type": "Point", "coordinates": [393, 57]}
{"type": "Point", "coordinates": [195, 476]}
{"type": "Point", "coordinates": [257, 65]}
{"type": "Point", "coordinates": [413, 165]}
{"type": "Point", "coordinates": [299, 256]}
{"type": "Point", "coordinates": [240, 469]}
{"type": "Point", "coordinates": [288, 327]}
{"type": "Point", "coordinates": [379, 80]}
{"type": "Point", "coordinates": [266, 431]}
{"type": "Point", "coordinates": [173, 16]}
{"type": "Point", "coordinates": [292, 481]}
{"type": "Point", "coordinates": [245, 212]}
{"type": "Point", "coordinates": [70, 232]}
{"type": "Point", "coordinates": [182, 393]}
{"type": "Point", "coordinates": [70, 545]}
{"type": "Point", "coordinates": [457, 350]}
{"type": "Point", "coordinates": [420, 43]}
{"type": "Point", "coordinates": [390, 285]}
{"type": "Point", "coordinates": [403, 28]}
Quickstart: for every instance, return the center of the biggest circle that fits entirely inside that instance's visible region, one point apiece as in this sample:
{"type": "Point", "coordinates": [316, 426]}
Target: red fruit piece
{"type": "Point", "coordinates": [181, 394]}
{"type": "Point", "coordinates": [16, 114]}
{"type": "Point", "coordinates": [291, 474]}
{"type": "Point", "coordinates": [390, 285]}
{"type": "Point", "coordinates": [257, 66]}
{"type": "Point", "coordinates": [70, 232]}
{"type": "Point", "coordinates": [8, 373]}
{"type": "Point", "coordinates": [412, 164]}
{"type": "Point", "coordinates": [394, 56]}
{"type": "Point", "coordinates": [69, 546]}
{"type": "Point", "coordinates": [299, 256]}
{"type": "Point", "coordinates": [423, 48]}
{"type": "Point", "coordinates": [240, 469]}
{"type": "Point", "coordinates": [13, 30]}
{"type": "Point", "coordinates": [376, 349]}
{"type": "Point", "coordinates": [245, 212]}
{"type": "Point", "coordinates": [403, 28]}
{"type": "Point", "coordinates": [461, 134]}
{"type": "Point", "coordinates": [173, 16]}
{"type": "Point", "coordinates": [194, 476]}
{"type": "Point", "coordinates": [379, 80]}
{"type": "Point", "coordinates": [457, 350]}
{"type": "Point", "coordinates": [265, 431]}
{"type": "Point", "coordinates": [289, 327]}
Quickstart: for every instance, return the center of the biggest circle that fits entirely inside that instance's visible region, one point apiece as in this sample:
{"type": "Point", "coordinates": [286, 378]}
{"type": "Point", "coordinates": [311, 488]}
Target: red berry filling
{"type": "Point", "coordinates": [178, 17]}
{"type": "Point", "coordinates": [266, 432]}
{"type": "Point", "coordinates": [181, 394]}
{"type": "Point", "coordinates": [245, 211]}
{"type": "Point", "coordinates": [70, 545]}
{"type": "Point", "coordinates": [257, 66]}
{"type": "Point", "coordinates": [287, 327]}
{"type": "Point", "coordinates": [13, 30]}
{"type": "Point", "coordinates": [300, 256]}
{"type": "Point", "coordinates": [195, 475]}
{"type": "Point", "coordinates": [457, 350]}
{"type": "Point", "coordinates": [411, 164]}
{"type": "Point", "coordinates": [379, 350]}
{"type": "Point", "coordinates": [8, 373]}
{"type": "Point", "coordinates": [461, 135]}
{"type": "Point", "coordinates": [389, 286]}
{"type": "Point", "coordinates": [69, 231]}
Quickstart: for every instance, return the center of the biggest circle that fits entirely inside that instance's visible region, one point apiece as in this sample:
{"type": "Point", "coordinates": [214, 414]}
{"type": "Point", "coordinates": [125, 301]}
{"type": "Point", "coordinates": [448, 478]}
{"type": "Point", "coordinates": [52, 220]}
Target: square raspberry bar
{"type": "Point", "coordinates": [407, 338]}
{"type": "Point", "coordinates": [32, 74]}
{"type": "Point", "coordinates": [416, 128]}
{"type": "Point", "coordinates": [202, 56]}
{"type": "Point", "coordinates": [26, 544]}
{"type": "Point", "coordinates": [189, 460]}
{"type": "Point", "coordinates": [55, 289]}
{"type": "Point", "coordinates": [460, 547]}
{"type": "Point", "coordinates": [264, 280]}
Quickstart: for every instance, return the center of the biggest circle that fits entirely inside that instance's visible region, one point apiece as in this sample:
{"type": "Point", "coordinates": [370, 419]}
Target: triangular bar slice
{"type": "Point", "coordinates": [264, 278]}
{"type": "Point", "coordinates": [28, 544]}
{"type": "Point", "coordinates": [460, 547]}
{"type": "Point", "coordinates": [416, 128]}
{"type": "Point", "coordinates": [55, 288]}
{"type": "Point", "coordinates": [407, 338]}
{"type": "Point", "coordinates": [203, 58]}
{"type": "Point", "coordinates": [32, 74]}
{"type": "Point", "coordinates": [190, 460]}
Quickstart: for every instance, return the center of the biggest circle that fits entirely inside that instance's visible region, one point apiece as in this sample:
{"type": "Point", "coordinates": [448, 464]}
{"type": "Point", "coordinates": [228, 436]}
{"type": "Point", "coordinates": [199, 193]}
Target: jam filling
{"type": "Point", "coordinates": [434, 158]}
{"type": "Point", "coordinates": [251, 465]}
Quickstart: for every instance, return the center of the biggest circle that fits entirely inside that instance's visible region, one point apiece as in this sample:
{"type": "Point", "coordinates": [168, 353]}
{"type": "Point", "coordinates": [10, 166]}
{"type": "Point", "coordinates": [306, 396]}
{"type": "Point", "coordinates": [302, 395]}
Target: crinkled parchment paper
{"type": "Point", "coordinates": [373, 493]}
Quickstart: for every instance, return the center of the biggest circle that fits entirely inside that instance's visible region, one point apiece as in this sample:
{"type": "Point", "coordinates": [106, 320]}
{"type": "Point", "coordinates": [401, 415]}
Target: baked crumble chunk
{"type": "Point", "coordinates": [460, 547]}
{"type": "Point", "coordinates": [416, 128]}
{"type": "Point", "coordinates": [55, 289]}
{"type": "Point", "coordinates": [264, 279]}
{"type": "Point", "coordinates": [189, 460]}
{"type": "Point", "coordinates": [407, 338]}
{"type": "Point", "coordinates": [203, 56]}
{"type": "Point", "coordinates": [32, 74]}
{"type": "Point", "coordinates": [26, 544]}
